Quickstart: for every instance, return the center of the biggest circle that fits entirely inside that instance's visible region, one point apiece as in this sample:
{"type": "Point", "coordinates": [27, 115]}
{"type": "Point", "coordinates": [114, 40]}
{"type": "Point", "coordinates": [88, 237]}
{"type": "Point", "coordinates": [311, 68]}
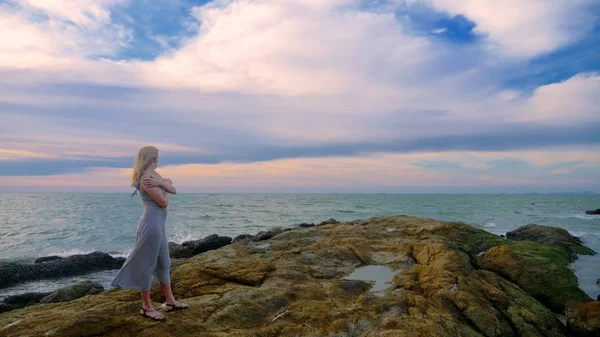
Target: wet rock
{"type": "Point", "coordinates": [266, 235]}
{"type": "Point", "coordinates": [66, 294]}
{"type": "Point", "coordinates": [541, 270]}
{"type": "Point", "coordinates": [13, 273]}
{"type": "Point", "coordinates": [306, 225]}
{"type": "Point", "coordinates": [331, 221]}
{"type": "Point", "coordinates": [242, 238]}
{"type": "Point", "coordinates": [593, 212]}
{"type": "Point", "coordinates": [20, 301]}
{"type": "Point", "coordinates": [195, 247]}
{"type": "Point", "coordinates": [48, 259]}
{"type": "Point", "coordinates": [297, 288]}
{"type": "Point", "coordinates": [354, 287]}
{"type": "Point", "coordinates": [73, 292]}
{"type": "Point", "coordinates": [553, 236]}
{"type": "Point", "coordinates": [583, 318]}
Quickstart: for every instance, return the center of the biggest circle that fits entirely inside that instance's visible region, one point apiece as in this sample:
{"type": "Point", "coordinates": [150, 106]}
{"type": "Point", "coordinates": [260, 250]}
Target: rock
{"type": "Point", "coordinates": [20, 301]}
{"type": "Point", "coordinates": [13, 273]}
{"type": "Point", "coordinates": [306, 225]}
{"type": "Point", "coordinates": [191, 248]}
{"type": "Point", "coordinates": [553, 236]}
{"type": "Point", "coordinates": [331, 221]}
{"type": "Point", "coordinates": [298, 288]}
{"type": "Point", "coordinates": [242, 238]}
{"type": "Point", "coordinates": [66, 294]}
{"type": "Point", "coordinates": [598, 282]}
{"type": "Point", "coordinates": [583, 318]}
{"type": "Point", "coordinates": [47, 259]}
{"type": "Point", "coordinates": [593, 212]}
{"type": "Point", "coordinates": [266, 235]}
{"type": "Point", "coordinates": [73, 292]}
{"type": "Point", "coordinates": [541, 270]}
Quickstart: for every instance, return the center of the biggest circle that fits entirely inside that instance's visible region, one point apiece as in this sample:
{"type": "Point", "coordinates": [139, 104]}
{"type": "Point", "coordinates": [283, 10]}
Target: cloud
{"type": "Point", "coordinates": [53, 34]}
{"type": "Point", "coordinates": [575, 99]}
{"type": "Point", "coordinates": [376, 172]}
{"type": "Point", "coordinates": [524, 28]}
{"type": "Point", "coordinates": [247, 82]}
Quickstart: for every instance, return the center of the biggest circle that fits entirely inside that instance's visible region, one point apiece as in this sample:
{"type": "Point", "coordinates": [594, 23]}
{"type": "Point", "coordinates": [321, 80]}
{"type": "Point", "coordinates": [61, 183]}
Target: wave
{"type": "Point", "coordinates": [579, 216]}
{"type": "Point", "coordinates": [76, 251]}
{"type": "Point", "coordinates": [69, 252]}
{"type": "Point", "coordinates": [577, 233]}
{"type": "Point", "coordinates": [181, 237]}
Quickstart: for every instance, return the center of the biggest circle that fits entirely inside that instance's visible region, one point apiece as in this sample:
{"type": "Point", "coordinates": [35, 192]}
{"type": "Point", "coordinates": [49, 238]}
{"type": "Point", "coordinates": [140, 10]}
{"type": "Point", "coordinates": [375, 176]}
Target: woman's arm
{"type": "Point", "coordinates": [155, 180]}
{"type": "Point", "coordinates": [168, 186]}
{"type": "Point", "coordinates": [154, 192]}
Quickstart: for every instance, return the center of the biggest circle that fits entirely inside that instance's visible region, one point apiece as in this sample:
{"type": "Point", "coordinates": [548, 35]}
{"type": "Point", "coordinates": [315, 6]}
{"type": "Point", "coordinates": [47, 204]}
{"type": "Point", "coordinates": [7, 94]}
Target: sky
{"type": "Point", "coordinates": [395, 96]}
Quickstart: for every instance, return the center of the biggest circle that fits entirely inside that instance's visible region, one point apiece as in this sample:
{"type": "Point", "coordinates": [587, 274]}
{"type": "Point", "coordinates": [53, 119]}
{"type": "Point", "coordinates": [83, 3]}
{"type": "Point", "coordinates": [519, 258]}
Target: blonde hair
{"type": "Point", "coordinates": [143, 160]}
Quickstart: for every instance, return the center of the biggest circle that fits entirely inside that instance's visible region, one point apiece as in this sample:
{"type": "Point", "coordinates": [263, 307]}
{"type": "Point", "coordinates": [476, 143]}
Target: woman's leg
{"type": "Point", "coordinates": [146, 301]}
{"type": "Point", "coordinates": [163, 271]}
{"type": "Point", "coordinates": [166, 289]}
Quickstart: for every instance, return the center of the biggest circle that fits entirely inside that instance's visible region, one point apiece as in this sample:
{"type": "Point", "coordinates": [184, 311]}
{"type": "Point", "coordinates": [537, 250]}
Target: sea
{"type": "Point", "coordinates": [34, 225]}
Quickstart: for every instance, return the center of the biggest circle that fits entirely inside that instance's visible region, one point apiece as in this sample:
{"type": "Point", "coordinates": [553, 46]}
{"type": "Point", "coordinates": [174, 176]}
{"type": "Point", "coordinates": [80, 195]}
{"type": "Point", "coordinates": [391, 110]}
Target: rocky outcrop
{"type": "Point", "coordinates": [242, 238]}
{"type": "Point", "coordinates": [73, 292]}
{"type": "Point", "coordinates": [65, 294]}
{"type": "Point", "coordinates": [299, 286]}
{"type": "Point", "coordinates": [593, 212]}
{"type": "Point", "coordinates": [553, 236]}
{"type": "Point", "coordinates": [191, 248]}
{"type": "Point", "coordinates": [21, 301]}
{"type": "Point", "coordinates": [541, 270]}
{"type": "Point", "coordinates": [266, 235]}
{"type": "Point", "coordinates": [583, 318]}
{"type": "Point", "coordinates": [331, 221]}
{"type": "Point", "coordinates": [13, 273]}
{"type": "Point", "coordinates": [47, 259]}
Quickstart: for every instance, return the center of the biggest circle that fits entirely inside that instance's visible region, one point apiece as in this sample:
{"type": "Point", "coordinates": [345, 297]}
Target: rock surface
{"type": "Point", "coordinates": [442, 286]}
{"type": "Point", "coordinates": [65, 294]}
{"type": "Point", "coordinates": [47, 259]}
{"type": "Point", "coordinates": [583, 318]}
{"type": "Point", "coordinates": [540, 270]}
{"type": "Point", "coordinates": [553, 236]}
{"type": "Point", "coordinates": [73, 292]}
{"type": "Point", "coordinates": [13, 273]}
{"type": "Point", "coordinates": [191, 248]}
{"type": "Point", "coordinates": [20, 301]}
{"type": "Point", "coordinates": [593, 212]}
{"type": "Point", "coordinates": [331, 221]}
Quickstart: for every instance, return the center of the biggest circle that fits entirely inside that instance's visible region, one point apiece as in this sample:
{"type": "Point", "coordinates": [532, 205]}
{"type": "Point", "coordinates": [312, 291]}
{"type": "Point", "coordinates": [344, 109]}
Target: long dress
{"type": "Point", "coordinates": [151, 253]}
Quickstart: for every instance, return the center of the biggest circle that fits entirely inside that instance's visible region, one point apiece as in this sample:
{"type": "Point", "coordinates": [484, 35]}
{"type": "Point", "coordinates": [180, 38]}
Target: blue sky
{"type": "Point", "coordinates": [302, 95]}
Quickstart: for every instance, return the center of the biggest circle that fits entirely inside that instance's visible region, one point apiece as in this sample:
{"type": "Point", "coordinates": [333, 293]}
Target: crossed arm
{"type": "Point", "coordinates": [155, 180]}
{"type": "Point", "coordinates": [152, 184]}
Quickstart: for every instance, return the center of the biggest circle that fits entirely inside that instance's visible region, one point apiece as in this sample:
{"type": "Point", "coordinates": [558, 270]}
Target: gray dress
{"type": "Point", "coordinates": [151, 253]}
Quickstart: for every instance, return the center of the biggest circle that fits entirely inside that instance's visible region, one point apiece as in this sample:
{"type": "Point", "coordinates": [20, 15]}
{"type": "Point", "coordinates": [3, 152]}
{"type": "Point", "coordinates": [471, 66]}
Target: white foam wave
{"type": "Point", "coordinates": [579, 216]}
{"type": "Point", "coordinates": [180, 235]}
{"type": "Point", "coordinates": [490, 224]}
{"type": "Point", "coordinates": [69, 252]}
{"type": "Point", "coordinates": [577, 233]}
{"type": "Point", "coordinates": [75, 251]}
{"type": "Point", "coordinates": [121, 254]}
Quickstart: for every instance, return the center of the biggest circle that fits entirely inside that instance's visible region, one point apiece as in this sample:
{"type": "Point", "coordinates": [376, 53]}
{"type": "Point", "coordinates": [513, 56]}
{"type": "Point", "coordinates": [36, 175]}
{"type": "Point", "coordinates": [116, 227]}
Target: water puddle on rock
{"type": "Point", "coordinates": [381, 275]}
{"type": "Point", "coordinates": [264, 246]}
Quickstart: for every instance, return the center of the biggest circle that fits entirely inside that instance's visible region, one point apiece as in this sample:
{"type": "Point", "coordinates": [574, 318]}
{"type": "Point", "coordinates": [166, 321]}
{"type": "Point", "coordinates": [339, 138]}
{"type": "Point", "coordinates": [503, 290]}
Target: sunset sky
{"type": "Point", "coordinates": [450, 96]}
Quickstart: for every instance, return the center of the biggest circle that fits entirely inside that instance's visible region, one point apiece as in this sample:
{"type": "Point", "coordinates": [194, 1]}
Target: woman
{"type": "Point", "coordinates": [151, 253]}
